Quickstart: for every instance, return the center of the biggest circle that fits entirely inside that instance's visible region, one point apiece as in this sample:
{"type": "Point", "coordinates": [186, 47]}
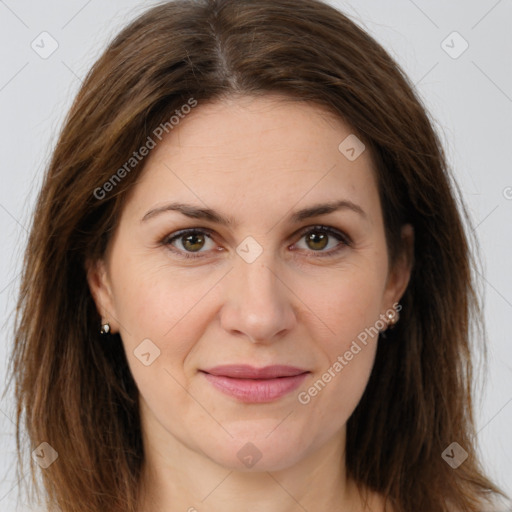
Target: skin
{"type": "Point", "coordinates": [256, 160]}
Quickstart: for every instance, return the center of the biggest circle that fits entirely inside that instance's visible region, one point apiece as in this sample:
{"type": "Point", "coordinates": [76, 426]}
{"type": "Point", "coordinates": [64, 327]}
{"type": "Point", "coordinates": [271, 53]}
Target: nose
{"type": "Point", "coordinates": [258, 303]}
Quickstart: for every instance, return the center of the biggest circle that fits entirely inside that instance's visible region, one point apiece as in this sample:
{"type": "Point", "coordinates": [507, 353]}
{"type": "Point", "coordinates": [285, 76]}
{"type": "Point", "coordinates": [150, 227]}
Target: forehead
{"type": "Point", "coordinates": [286, 129]}
{"type": "Point", "coordinates": [268, 151]}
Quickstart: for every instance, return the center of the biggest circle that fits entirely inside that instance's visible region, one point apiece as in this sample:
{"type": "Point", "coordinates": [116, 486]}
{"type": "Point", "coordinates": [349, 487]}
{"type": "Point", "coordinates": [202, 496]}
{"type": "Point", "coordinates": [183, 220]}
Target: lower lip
{"type": "Point", "coordinates": [256, 390]}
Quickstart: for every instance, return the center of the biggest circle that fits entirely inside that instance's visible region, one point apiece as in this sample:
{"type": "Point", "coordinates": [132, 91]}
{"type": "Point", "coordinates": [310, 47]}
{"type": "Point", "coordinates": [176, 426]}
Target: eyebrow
{"type": "Point", "coordinates": [195, 212]}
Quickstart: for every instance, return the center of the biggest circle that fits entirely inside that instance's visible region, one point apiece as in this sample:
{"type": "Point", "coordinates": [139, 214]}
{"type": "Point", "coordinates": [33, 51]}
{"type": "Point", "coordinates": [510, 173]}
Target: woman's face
{"type": "Point", "coordinates": [281, 280]}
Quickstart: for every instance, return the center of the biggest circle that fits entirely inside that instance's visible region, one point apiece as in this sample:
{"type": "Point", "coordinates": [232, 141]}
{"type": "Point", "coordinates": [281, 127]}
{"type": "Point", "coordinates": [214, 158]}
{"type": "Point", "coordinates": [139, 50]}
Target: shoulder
{"type": "Point", "coordinates": [491, 504]}
{"type": "Point", "coordinates": [377, 503]}
{"type": "Point", "coordinates": [500, 504]}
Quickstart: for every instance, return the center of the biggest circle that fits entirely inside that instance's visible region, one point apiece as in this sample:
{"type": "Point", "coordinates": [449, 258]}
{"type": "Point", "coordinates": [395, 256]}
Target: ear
{"type": "Point", "coordinates": [400, 274]}
{"type": "Point", "coordinates": [101, 291]}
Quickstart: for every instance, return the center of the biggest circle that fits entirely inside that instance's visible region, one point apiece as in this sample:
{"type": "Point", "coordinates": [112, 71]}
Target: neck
{"type": "Point", "coordinates": [177, 478]}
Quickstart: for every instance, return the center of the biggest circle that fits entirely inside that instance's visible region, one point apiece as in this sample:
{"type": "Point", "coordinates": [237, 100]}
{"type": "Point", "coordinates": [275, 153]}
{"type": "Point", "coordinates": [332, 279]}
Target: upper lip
{"type": "Point", "coordinates": [245, 371]}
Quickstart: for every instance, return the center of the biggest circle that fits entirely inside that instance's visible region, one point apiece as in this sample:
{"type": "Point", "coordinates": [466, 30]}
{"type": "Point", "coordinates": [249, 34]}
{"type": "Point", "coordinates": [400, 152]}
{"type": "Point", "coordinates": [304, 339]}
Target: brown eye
{"type": "Point", "coordinates": [318, 238]}
{"type": "Point", "coordinates": [193, 242]}
{"type": "Point", "coordinates": [188, 242]}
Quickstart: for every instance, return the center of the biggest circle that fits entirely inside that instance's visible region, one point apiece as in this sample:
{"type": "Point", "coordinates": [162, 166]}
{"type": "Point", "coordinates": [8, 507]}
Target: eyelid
{"type": "Point", "coordinates": [341, 236]}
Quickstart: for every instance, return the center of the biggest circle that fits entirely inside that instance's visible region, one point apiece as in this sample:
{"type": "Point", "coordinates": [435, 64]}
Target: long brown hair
{"type": "Point", "coordinates": [74, 390]}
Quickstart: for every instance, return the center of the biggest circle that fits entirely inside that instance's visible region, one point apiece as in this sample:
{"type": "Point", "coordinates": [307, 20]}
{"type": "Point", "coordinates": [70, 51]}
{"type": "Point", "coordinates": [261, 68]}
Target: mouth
{"type": "Point", "coordinates": [255, 385]}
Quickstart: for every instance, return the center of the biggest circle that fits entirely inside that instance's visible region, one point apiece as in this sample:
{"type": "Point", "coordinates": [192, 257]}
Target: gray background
{"type": "Point", "coordinates": [469, 97]}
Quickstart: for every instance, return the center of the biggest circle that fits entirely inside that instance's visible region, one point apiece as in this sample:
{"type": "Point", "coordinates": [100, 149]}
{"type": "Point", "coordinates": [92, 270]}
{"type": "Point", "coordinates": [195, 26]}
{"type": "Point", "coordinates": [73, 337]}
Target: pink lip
{"type": "Point", "coordinates": [255, 385]}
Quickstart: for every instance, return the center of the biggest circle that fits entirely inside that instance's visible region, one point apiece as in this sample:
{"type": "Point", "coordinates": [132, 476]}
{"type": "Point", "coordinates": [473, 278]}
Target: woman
{"type": "Point", "coordinates": [247, 283]}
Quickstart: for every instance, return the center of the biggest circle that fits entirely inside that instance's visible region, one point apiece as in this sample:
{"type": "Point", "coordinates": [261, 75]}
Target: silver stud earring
{"type": "Point", "coordinates": [105, 327]}
{"type": "Point", "coordinates": [393, 318]}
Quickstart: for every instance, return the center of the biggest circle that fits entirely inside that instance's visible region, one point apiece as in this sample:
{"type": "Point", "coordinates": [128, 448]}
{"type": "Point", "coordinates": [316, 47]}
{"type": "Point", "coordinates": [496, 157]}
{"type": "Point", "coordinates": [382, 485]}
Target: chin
{"type": "Point", "coordinates": [258, 449]}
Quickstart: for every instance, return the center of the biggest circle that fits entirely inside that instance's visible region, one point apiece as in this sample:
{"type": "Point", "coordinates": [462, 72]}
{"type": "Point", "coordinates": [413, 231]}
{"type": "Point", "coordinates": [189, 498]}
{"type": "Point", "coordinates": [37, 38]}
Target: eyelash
{"type": "Point", "coordinates": [341, 237]}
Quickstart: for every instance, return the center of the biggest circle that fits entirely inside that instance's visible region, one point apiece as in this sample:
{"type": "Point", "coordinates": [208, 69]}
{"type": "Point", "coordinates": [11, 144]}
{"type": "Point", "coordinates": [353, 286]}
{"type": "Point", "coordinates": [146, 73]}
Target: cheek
{"type": "Point", "coordinates": [163, 306]}
{"type": "Point", "coordinates": [160, 319]}
{"type": "Point", "coordinates": [348, 306]}
{"type": "Point", "coordinates": [336, 388]}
